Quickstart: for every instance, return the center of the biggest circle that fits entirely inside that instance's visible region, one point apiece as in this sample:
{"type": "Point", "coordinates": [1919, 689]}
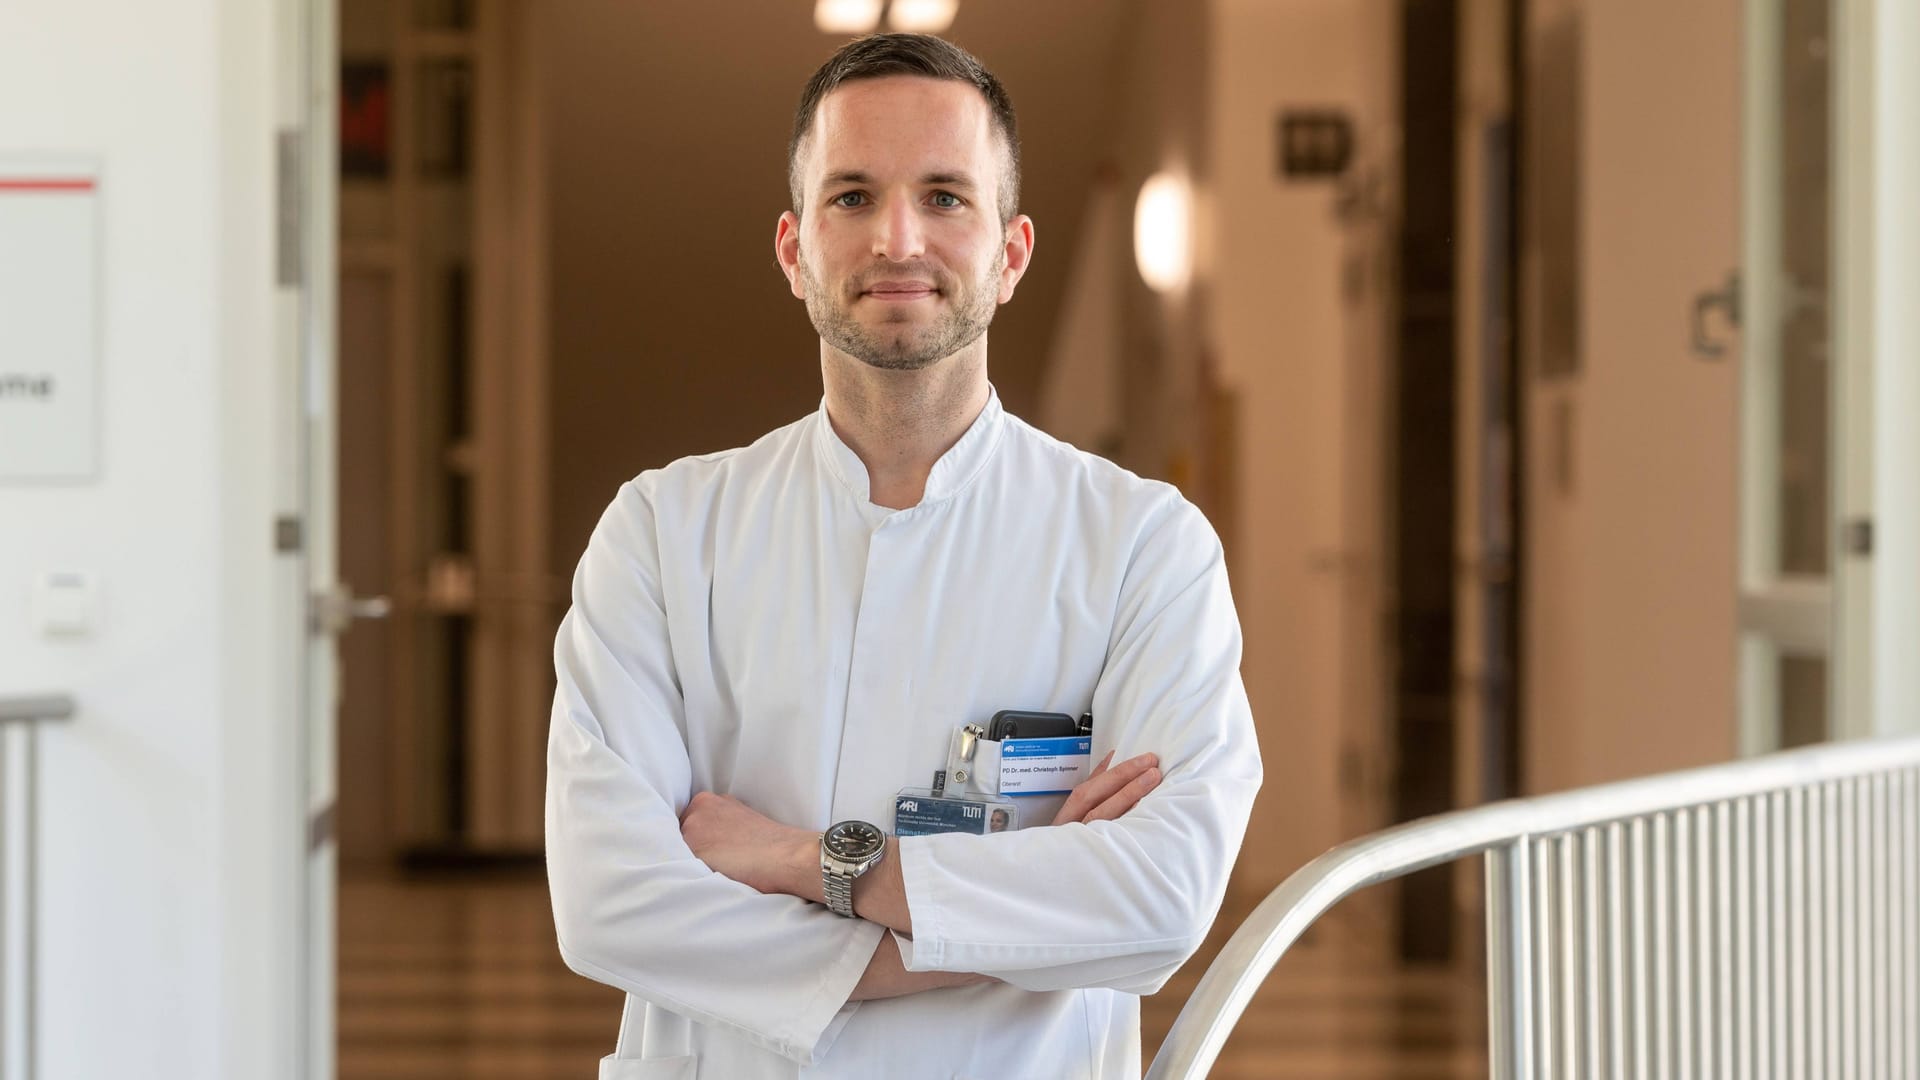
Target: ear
{"type": "Point", "coordinates": [786, 250]}
{"type": "Point", "coordinates": [1019, 252]}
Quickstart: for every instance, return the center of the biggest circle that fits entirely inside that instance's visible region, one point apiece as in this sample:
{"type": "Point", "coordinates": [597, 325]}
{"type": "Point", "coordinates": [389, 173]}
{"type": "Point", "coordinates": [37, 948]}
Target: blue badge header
{"type": "Point", "coordinates": [1061, 747]}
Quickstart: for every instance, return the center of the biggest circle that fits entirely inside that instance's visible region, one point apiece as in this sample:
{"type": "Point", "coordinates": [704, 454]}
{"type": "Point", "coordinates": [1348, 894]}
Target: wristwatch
{"type": "Point", "coordinates": [847, 850]}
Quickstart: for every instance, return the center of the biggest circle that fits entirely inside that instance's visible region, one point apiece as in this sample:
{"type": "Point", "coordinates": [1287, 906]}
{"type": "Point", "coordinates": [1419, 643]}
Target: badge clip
{"type": "Point", "coordinates": [960, 752]}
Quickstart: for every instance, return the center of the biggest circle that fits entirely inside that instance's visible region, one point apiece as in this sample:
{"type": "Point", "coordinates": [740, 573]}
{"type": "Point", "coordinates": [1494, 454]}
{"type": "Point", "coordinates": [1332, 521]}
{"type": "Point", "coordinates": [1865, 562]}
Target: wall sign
{"type": "Point", "coordinates": [1315, 143]}
{"type": "Point", "coordinates": [49, 319]}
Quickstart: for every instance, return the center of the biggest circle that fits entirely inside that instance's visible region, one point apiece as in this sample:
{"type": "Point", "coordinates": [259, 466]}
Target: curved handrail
{"type": "Point", "coordinates": [1231, 980]}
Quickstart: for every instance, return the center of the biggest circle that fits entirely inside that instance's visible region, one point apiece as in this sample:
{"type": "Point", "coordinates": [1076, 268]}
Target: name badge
{"type": "Point", "coordinates": [1044, 766]}
{"type": "Point", "coordinates": [922, 813]}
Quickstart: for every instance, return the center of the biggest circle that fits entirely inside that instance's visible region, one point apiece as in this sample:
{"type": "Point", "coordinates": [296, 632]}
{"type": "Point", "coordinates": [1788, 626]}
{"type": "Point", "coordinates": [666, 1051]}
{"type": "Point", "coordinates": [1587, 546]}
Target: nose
{"type": "Point", "coordinates": [897, 235]}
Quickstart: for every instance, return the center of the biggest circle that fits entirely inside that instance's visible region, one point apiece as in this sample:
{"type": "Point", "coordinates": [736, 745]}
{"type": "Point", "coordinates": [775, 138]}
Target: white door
{"type": "Point", "coordinates": [1823, 240]}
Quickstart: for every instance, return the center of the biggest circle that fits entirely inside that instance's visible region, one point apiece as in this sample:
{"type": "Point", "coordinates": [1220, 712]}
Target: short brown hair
{"type": "Point", "coordinates": [880, 55]}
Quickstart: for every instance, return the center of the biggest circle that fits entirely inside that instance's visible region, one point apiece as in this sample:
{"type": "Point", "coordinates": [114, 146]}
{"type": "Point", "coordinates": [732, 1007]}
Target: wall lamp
{"type": "Point", "coordinates": [863, 16]}
{"type": "Point", "coordinates": [1163, 232]}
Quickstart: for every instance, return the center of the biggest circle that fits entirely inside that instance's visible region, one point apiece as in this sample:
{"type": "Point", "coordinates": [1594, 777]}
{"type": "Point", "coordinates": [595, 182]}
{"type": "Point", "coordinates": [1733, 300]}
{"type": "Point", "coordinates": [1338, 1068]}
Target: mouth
{"type": "Point", "coordinates": [900, 291]}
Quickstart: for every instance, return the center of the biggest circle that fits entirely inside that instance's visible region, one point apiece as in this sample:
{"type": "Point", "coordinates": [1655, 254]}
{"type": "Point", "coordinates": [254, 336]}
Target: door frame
{"type": "Point", "coordinates": [309, 200]}
{"type": "Point", "coordinates": [1877, 336]}
{"type": "Point", "coordinates": [1865, 612]}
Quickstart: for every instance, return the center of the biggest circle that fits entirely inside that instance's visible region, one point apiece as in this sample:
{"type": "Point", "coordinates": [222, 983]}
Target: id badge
{"type": "Point", "coordinates": [1044, 766]}
{"type": "Point", "coordinates": [920, 812]}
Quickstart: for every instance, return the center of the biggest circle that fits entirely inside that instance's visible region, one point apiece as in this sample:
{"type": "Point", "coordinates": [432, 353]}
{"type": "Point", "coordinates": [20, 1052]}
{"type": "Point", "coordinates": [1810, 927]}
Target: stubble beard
{"type": "Point", "coordinates": [902, 346]}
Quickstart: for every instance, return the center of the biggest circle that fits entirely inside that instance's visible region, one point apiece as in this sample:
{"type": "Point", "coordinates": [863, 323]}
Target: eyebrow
{"type": "Point", "coordinates": [943, 179]}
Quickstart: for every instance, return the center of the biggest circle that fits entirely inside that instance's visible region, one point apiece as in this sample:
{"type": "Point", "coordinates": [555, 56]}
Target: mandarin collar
{"type": "Point", "coordinates": [951, 474]}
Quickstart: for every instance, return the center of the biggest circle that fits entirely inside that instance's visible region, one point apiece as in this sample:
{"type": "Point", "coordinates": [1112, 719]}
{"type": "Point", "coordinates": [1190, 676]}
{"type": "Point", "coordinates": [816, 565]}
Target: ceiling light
{"type": "Point", "coordinates": [1163, 232]}
{"type": "Point", "coordinates": [847, 16]}
{"type": "Point", "coordinates": [922, 16]}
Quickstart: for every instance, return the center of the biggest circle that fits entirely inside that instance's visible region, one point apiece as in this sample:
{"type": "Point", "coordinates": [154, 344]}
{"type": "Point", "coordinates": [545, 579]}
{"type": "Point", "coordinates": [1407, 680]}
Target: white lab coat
{"type": "Point", "coordinates": [748, 623]}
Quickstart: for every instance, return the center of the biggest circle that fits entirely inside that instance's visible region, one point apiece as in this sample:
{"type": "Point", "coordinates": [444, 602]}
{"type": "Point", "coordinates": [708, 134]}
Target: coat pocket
{"type": "Point", "coordinates": [675, 1068]}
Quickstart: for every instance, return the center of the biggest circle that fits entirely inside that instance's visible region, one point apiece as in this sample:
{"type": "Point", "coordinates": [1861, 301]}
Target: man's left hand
{"type": "Point", "coordinates": [750, 847]}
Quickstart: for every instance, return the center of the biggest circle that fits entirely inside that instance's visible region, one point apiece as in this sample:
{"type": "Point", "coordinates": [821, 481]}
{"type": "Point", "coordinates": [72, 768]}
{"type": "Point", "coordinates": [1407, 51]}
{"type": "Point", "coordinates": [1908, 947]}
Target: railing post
{"type": "Point", "coordinates": [19, 858]}
{"type": "Point", "coordinates": [1510, 960]}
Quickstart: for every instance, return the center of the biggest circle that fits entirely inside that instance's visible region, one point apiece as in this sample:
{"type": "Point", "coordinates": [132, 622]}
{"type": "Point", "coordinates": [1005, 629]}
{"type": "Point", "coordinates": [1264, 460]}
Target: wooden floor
{"type": "Point", "coordinates": [446, 980]}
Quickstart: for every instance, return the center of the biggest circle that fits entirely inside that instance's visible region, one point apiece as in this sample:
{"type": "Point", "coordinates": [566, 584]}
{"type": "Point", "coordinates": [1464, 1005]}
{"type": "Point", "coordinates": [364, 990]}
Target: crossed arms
{"type": "Point", "coordinates": [747, 846]}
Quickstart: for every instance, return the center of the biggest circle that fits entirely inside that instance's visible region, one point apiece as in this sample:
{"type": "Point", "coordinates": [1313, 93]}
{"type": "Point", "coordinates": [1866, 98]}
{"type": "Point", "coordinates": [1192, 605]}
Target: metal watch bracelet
{"type": "Point", "coordinates": [839, 891]}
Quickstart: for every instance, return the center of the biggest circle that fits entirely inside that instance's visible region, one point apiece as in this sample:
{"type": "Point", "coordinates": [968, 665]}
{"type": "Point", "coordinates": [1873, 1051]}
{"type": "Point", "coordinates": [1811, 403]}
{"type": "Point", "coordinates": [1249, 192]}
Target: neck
{"type": "Point", "coordinates": [899, 423]}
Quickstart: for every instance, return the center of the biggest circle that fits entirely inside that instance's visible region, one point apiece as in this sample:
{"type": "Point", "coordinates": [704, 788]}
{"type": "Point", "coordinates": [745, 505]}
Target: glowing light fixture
{"type": "Point", "coordinates": [1163, 232]}
{"type": "Point", "coordinates": [922, 16]}
{"type": "Point", "coordinates": [847, 16]}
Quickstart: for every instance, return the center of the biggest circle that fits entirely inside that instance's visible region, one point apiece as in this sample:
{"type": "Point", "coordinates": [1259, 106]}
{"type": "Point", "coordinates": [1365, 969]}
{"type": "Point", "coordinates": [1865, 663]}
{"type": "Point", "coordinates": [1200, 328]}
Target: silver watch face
{"type": "Point", "coordinates": [854, 841]}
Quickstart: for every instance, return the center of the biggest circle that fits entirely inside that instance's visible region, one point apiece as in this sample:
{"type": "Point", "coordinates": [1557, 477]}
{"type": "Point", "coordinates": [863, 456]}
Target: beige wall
{"type": "Point", "coordinates": [1123, 373]}
{"type": "Point", "coordinates": [1630, 536]}
{"type": "Point", "coordinates": [1161, 108]}
{"type": "Point", "coordinates": [1298, 351]}
{"type": "Point", "coordinates": [672, 331]}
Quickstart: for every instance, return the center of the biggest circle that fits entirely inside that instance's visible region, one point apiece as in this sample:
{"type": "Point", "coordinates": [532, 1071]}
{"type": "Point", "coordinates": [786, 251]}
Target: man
{"type": "Point", "coordinates": [772, 643]}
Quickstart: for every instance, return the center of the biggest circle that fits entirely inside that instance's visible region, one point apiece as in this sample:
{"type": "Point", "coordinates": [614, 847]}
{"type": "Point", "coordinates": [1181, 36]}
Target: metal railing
{"type": "Point", "coordinates": [1754, 919]}
{"type": "Point", "coordinates": [20, 720]}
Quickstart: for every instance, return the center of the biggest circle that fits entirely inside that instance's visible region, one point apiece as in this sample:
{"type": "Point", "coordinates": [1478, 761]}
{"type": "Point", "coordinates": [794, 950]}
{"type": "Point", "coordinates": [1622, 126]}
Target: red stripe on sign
{"type": "Point", "coordinates": [23, 184]}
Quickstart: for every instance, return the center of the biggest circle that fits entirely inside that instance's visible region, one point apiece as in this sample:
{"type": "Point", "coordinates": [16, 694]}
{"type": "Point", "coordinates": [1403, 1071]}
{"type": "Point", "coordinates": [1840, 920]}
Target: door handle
{"type": "Point", "coordinates": [334, 611]}
{"type": "Point", "coordinates": [1726, 297]}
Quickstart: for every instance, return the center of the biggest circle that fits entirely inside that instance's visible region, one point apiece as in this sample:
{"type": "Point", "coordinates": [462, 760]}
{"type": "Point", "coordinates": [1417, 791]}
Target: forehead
{"type": "Point", "coordinates": [903, 122]}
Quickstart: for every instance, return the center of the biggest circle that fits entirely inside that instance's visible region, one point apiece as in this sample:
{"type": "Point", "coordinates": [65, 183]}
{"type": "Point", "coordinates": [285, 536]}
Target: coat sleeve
{"type": "Point", "coordinates": [1122, 903]}
{"type": "Point", "coordinates": [633, 907]}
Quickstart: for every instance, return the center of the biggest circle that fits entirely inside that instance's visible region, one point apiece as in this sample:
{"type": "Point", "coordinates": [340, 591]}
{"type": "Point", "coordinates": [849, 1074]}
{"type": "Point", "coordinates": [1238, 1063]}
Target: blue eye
{"type": "Point", "coordinates": [952, 204]}
{"type": "Point", "coordinates": [841, 200]}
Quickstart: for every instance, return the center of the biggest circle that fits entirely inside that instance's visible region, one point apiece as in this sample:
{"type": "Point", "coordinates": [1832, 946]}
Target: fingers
{"type": "Point", "coordinates": [1123, 800]}
{"type": "Point", "coordinates": [1095, 790]}
{"type": "Point", "coordinates": [1079, 800]}
{"type": "Point", "coordinates": [698, 802]}
{"type": "Point", "coordinates": [1104, 784]}
{"type": "Point", "coordinates": [708, 810]}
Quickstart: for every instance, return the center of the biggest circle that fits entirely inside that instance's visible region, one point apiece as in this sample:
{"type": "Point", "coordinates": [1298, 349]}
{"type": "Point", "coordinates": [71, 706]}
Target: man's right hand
{"type": "Point", "coordinates": [1110, 792]}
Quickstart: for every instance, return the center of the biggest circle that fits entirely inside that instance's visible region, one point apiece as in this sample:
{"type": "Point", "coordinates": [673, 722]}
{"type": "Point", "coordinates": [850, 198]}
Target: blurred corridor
{"type": "Point", "coordinates": [1546, 368]}
{"type": "Point", "coordinates": [459, 978]}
